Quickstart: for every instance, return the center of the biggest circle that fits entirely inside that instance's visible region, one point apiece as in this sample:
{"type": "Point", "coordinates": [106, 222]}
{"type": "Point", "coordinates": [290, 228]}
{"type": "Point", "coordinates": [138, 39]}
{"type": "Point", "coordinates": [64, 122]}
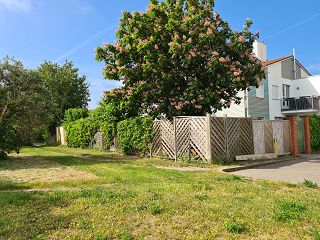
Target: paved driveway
{"type": "Point", "coordinates": [294, 171]}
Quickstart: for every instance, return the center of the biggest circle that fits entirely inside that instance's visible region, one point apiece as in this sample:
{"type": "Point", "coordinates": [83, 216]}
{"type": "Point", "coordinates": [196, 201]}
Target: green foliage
{"type": "Point", "coordinates": [109, 132]}
{"type": "Point", "coordinates": [314, 132]}
{"type": "Point", "coordinates": [287, 210]}
{"type": "Point", "coordinates": [22, 107]}
{"type": "Point", "coordinates": [154, 209]}
{"type": "Point", "coordinates": [74, 114]}
{"type": "Point", "coordinates": [235, 227]}
{"type": "Point", "coordinates": [310, 184]}
{"type": "Point", "coordinates": [135, 135]}
{"type": "Point", "coordinates": [65, 89]}
{"type": "Point", "coordinates": [81, 132]}
{"type": "Point", "coordinates": [181, 46]}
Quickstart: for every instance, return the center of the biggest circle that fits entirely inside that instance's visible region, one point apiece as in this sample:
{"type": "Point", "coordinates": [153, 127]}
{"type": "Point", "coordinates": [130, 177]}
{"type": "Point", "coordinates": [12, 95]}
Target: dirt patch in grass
{"type": "Point", "coordinates": [30, 169]}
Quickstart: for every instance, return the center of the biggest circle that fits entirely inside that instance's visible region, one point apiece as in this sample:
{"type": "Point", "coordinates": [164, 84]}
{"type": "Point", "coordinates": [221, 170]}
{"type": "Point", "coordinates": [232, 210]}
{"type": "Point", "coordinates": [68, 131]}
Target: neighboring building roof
{"type": "Point", "coordinates": [267, 63]}
{"type": "Point", "coordinates": [270, 62]}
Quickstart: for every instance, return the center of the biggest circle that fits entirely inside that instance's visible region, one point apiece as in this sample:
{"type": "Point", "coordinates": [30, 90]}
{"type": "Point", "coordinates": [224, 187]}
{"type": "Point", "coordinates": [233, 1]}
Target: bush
{"type": "Point", "coordinates": [109, 131]}
{"type": "Point", "coordinates": [135, 135]}
{"type": "Point", "coordinates": [314, 132]}
{"type": "Point", "coordinates": [74, 114]}
{"type": "Point", "coordinates": [81, 132]}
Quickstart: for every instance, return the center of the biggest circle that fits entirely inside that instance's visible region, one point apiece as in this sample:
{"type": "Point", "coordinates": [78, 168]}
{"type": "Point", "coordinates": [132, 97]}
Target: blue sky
{"type": "Point", "coordinates": [37, 30]}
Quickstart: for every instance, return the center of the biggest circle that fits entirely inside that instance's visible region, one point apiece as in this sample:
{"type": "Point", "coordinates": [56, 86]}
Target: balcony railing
{"type": "Point", "coordinates": [300, 104]}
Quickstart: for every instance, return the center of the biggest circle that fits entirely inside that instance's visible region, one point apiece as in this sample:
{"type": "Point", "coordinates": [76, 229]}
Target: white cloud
{"type": "Point", "coordinates": [16, 5]}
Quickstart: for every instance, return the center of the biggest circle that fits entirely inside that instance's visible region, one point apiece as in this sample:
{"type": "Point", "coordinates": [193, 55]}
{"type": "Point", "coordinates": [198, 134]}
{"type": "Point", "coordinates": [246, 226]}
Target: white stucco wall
{"type": "Point", "coordinates": [234, 110]}
{"type": "Point", "coordinates": [309, 86]}
{"type": "Point", "coordinates": [275, 78]}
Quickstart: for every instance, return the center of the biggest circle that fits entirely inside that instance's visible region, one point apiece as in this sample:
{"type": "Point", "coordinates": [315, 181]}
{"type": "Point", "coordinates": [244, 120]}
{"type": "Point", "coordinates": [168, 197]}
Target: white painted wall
{"type": "Point", "coordinates": [309, 86]}
{"type": "Point", "coordinates": [275, 78]}
{"type": "Point", "coordinates": [235, 110]}
{"type": "Point", "coordinates": [260, 50]}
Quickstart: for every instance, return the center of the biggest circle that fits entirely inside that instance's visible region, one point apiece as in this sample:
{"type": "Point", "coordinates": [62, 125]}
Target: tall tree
{"type": "Point", "coordinates": [66, 89]}
{"type": "Point", "coordinates": [182, 58]}
{"type": "Point", "coordinates": [22, 105]}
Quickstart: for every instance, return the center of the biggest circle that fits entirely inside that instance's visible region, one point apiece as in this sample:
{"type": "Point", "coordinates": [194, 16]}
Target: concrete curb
{"type": "Point", "coordinates": [250, 166]}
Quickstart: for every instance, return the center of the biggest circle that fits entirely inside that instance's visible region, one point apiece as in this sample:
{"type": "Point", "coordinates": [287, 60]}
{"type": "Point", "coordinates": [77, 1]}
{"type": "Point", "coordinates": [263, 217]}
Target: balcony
{"type": "Point", "coordinates": [300, 105]}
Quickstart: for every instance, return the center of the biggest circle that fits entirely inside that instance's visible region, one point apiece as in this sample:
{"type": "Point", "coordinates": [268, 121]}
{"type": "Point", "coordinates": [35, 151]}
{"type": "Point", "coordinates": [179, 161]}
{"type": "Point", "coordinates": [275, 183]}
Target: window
{"type": "Point", "coordinates": [260, 91]}
{"type": "Point", "coordinates": [275, 92]}
{"type": "Point", "coordinates": [285, 91]}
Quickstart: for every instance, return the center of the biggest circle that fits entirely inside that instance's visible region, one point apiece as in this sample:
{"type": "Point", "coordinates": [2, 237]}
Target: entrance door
{"type": "Point", "coordinates": [300, 127]}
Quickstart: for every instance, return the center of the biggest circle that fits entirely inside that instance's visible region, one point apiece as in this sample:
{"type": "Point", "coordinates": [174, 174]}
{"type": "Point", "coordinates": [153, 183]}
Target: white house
{"type": "Point", "coordinates": [288, 89]}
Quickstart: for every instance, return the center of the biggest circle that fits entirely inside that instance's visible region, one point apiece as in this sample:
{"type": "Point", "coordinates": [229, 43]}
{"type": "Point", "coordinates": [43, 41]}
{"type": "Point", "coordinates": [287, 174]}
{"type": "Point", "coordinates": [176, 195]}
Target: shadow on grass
{"type": "Point", "coordinates": [20, 162]}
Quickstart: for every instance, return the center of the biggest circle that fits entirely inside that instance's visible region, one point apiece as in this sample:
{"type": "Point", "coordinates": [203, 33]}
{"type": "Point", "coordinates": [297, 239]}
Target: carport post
{"type": "Point", "coordinates": [294, 135]}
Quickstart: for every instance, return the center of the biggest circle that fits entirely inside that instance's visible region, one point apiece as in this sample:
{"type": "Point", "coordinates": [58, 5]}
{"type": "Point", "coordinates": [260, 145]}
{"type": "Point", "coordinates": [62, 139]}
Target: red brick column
{"type": "Point", "coordinates": [294, 135]}
{"type": "Point", "coordinates": [307, 145]}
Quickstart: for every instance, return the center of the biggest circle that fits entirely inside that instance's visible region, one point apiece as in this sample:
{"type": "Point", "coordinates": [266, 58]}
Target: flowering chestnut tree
{"type": "Point", "coordinates": [181, 58]}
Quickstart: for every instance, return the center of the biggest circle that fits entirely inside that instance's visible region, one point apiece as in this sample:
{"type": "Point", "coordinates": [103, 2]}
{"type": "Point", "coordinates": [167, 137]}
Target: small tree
{"type": "Point", "coordinates": [181, 58]}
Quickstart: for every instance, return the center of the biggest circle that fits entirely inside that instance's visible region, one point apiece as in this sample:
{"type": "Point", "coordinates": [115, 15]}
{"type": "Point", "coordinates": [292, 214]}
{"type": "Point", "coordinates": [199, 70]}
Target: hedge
{"type": "Point", "coordinates": [109, 132]}
{"type": "Point", "coordinates": [74, 114]}
{"type": "Point", "coordinates": [315, 132]}
{"type": "Point", "coordinates": [80, 133]}
{"type": "Point", "coordinates": [135, 135]}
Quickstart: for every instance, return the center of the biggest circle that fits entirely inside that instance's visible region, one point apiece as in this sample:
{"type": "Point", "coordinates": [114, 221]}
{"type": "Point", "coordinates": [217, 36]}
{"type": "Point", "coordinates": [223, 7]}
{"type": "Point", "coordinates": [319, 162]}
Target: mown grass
{"type": "Point", "coordinates": [137, 199]}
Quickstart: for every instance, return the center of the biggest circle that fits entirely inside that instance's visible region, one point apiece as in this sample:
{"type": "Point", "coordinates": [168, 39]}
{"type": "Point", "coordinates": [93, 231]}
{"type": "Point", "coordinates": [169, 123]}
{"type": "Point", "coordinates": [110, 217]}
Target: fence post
{"type": "Point", "coordinates": [209, 150]}
{"type": "Point", "coordinates": [226, 136]}
{"type": "Point", "coordinates": [175, 138]}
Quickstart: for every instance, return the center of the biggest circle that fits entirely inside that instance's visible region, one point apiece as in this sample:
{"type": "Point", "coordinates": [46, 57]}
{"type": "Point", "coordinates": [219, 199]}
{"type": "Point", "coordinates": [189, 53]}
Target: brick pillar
{"type": "Point", "coordinates": [294, 135]}
{"type": "Point", "coordinates": [307, 145]}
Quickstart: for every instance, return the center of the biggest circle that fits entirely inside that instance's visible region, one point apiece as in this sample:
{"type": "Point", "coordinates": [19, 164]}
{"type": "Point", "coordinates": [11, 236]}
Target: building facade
{"type": "Point", "coordinates": [288, 89]}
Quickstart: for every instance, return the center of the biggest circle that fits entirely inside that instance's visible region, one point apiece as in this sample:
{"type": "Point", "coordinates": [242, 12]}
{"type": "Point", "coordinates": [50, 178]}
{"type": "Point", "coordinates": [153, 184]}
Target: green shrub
{"type": "Point", "coordinates": [135, 135]}
{"type": "Point", "coordinates": [235, 227]}
{"type": "Point", "coordinates": [109, 131]}
{"type": "Point", "coordinates": [314, 132]}
{"type": "Point", "coordinates": [74, 114]}
{"type": "Point", "coordinates": [287, 210]}
{"type": "Point", "coordinates": [80, 133]}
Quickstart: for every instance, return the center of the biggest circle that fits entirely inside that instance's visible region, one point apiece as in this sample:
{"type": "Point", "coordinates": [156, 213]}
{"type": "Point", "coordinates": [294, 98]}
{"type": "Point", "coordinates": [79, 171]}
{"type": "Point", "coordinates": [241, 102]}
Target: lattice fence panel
{"type": "Point", "coordinates": [258, 137]}
{"type": "Point", "coordinates": [268, 137]}
{"type": "Point", "coordinates": [218, 138]}
{"type": "Point", "coordinates": [183, 137]}
{"type": "Point", "coordinates": [286, 136]}
{"type": "Point", "coordinates": [157, 142]}
{"type": "Point", "coordinates": [167, 137]}
{"type": "Point", "coordinates": [232, 134]}
{"type": "Point", "coordinates": [198, 136]}
{"type": "Point", "coordinates": [278, 135]}
{"type": "Point", "coordinates": [245, 137]}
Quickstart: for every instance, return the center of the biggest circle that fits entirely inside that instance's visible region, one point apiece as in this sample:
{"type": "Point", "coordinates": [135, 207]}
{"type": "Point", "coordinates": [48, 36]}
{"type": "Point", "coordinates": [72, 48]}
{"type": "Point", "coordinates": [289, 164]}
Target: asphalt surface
{"type": "Point", "coordinates": [293, 171]}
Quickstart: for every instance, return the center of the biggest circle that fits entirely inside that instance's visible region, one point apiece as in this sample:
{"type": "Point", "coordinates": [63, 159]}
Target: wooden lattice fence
{"type": "Point", "coordinates": [203, 137]}
{"type": "Point", "coordinates": [271, 136]}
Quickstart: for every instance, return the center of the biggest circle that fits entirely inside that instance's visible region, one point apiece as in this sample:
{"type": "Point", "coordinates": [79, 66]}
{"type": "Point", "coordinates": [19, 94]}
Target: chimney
{"type": "Point", "coordinates": [260, 50]}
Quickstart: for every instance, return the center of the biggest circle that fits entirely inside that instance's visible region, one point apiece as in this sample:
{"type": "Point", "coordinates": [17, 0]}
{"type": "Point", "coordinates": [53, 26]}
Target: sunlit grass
{"type": "Point", "coordinates": [137, 199]}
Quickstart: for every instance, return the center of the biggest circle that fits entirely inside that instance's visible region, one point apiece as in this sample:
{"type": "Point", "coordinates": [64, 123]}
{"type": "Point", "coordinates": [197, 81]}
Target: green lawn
{"type": "Point", "coordinates": [89, 194]}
